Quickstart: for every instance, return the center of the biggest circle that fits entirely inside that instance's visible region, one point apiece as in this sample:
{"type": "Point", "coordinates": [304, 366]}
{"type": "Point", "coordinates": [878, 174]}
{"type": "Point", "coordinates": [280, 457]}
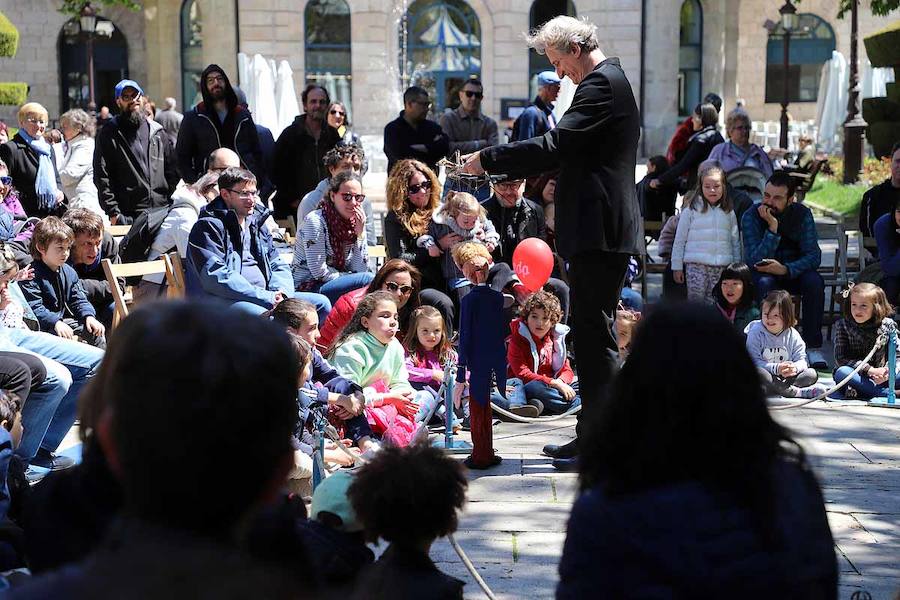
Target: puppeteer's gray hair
{"type": "Point", "coordinates": [560, 33]}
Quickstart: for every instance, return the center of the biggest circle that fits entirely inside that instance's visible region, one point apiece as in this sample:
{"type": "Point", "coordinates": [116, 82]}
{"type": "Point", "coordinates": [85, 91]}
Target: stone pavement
{"type": "Point", "coordinates": [514, 524]}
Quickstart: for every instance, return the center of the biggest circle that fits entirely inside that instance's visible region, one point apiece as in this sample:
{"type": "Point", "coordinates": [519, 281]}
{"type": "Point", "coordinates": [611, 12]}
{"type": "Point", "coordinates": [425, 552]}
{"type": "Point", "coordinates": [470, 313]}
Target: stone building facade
{"type": "Point", "coordinates": [647, 36]}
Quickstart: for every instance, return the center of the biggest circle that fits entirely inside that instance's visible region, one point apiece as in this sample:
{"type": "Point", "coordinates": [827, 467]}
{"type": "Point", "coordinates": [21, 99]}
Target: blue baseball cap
{"type": "Point", "coordinates": [548, 78]}
{"type": "Point", "coordinates": [127, 83]}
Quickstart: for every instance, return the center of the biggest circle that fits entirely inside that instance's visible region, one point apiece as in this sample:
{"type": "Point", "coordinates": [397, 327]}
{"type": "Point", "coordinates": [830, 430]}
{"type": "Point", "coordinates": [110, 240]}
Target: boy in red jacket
{"type": "Point", "coordinates": [539, 373]}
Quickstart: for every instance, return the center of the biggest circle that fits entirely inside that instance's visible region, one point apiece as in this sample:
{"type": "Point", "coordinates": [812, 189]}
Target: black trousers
{"type": "Point", "coordinates": [20, 372]}
{"type": "Point", "coordinates": [596, 279]}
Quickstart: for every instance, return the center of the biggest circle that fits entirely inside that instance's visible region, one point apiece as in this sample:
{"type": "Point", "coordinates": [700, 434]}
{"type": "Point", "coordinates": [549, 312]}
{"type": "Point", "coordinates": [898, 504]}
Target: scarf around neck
{"type": "Point", "coordinates": [45, 182]}
{"type": "Point", "coordinates": [340, 233]}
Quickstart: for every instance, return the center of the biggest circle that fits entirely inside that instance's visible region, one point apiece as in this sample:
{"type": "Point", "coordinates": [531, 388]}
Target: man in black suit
{"type": "Point", "coordinates": [598, 220]}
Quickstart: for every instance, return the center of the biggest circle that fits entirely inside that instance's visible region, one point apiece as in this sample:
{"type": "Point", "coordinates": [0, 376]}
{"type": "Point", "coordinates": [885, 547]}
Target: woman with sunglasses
{"type": "Point", "coordinates": [32, 164]}
{"type": "Point", "coordinates": [331, 256]}
{"type": "Point", "coordinates": [337, 117]}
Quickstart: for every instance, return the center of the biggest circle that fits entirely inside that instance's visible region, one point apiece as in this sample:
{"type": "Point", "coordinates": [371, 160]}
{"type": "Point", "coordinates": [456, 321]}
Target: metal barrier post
{"type": "Point", "coordinates": [892, 365]}
{"type": "Point", "coordinates": [449, 444]}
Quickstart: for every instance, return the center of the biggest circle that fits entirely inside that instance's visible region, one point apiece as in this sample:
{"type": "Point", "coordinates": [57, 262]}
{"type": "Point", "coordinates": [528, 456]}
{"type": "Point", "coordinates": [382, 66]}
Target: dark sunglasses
{"type": "Point", "coordinates": [337, 113]}
{"type": "Point", "coordinates": [415, 189]}
{"type": "Point", "coordinates": [351, 197]}
{"type": "Point", "coordinates": [471, 94]}
{"type": "Point", "coordinates": [6, 180]}
{"type": "Point", "coordinates": [394, 287]}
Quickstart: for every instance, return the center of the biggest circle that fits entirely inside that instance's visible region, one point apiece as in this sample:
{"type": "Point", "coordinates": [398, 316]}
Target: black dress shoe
{"type": "Point", "coordinates": [566, 465]}
{"type": "Point", "coordinates": [565, 451]}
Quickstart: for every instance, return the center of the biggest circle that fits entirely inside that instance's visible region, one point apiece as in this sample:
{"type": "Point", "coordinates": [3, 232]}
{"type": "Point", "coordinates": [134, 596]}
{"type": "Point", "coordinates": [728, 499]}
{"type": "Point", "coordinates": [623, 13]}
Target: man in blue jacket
{"type": "Point", "coordinates": [231, 255]}
{"type": "Point", "coordinates": [537, 119]}
{"type": "Point", "coordinates": [781, 246]}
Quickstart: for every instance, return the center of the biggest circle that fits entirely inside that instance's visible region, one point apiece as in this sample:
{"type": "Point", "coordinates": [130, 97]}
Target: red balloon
{"type": "Point", "coordinates": [533, 263]}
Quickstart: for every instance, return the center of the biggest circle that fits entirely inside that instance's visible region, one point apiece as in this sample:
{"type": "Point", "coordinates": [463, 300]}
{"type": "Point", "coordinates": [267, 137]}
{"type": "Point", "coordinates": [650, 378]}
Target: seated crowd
{"type": "Point", "coordinates": [331, 346]}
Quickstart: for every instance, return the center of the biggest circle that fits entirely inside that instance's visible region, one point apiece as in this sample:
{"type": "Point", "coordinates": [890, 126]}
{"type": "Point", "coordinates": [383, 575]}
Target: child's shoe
{"type": "Point", "coordinates": [811, 391]}
{"type": "Point", "coordinates": [526, 410]}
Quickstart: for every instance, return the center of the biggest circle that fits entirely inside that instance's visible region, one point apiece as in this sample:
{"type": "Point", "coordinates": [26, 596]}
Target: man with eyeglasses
{"type": "Point", "coordinates": [297, 165]}
{"type": "Point", "coordinates": [412, 135]}
{"type": "Point", "coordinates": [467, 127]}
{"type": "Point", "coordinates": [231, 255]}
{"type": "Point", "coordinates": [134, 162]}
{"type": "Point", "coordinates": [219, 121]}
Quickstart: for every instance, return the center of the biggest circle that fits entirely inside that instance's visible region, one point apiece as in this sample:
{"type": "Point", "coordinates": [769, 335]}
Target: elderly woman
{"type": "Point", "coordinates": [738, 152]}
{"type": "Point", "coordinates": [331, 256]}
{"type": "Point", "coordinates": [413, 194]}
{"type": "Point", "coordinates": [705, 138]}
{"type": "Point", "coordinates": [77, 166]}
{"type": "Point", "coordinates": [32, 164]}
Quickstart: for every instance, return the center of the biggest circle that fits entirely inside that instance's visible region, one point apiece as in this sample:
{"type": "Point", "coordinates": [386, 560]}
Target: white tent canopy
{"type": "Point", "coordinates": [450, 45]}
{"type": "Point", "coordinates": [285, 97]}
{"type": "Point", "coordinates": [270, 92]}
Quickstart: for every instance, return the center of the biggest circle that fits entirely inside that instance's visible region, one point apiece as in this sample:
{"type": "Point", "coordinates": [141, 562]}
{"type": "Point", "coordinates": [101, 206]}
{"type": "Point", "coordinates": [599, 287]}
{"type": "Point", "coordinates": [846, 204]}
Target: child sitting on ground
{"type": "Point", "coordinates": [779, 352]}
{"type": "Point", "coordinates": [343, 398]}
{"type": "Point", "coordinates": [463, 215]}
{"type": "Point", "coordinates": [626, 326]}
{"type": "Point", "coordinates": [735, 295]}
{"type": "Point", "coordinates": [16, 228]}
{"type": "Point", "coordinates": [12, 551]}
{"type": "Point", "coordinates": [865, 306]}
{"type": "Point", "coordinates": [428, 488]}
{"type": "Point", "coordinates": [55, 294]}
{"type": "Point", "coordinates": [368, 353]}
{"type": "Point", "coordinates": [707, 238]}
{"type": "Point", "coordinates": [428, 352]}
{"type": "Point", "coordinates": [539, 376]}
{"type": "Point", "coordinates": [333, 536]}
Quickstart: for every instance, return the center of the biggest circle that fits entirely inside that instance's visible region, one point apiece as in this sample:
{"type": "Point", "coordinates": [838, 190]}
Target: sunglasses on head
{"type": "Point", "coordinates": [424, 186]}
{"type": "Point", "coordinates": [5, 180]}
{"type": "Point", "coordinates": [395, 287]}
{"type": "Point", "coordinates": [471, 94]}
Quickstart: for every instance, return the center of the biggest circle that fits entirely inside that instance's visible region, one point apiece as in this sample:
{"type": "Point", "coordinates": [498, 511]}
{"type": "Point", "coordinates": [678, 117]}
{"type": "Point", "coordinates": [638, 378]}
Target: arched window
{"type": "Point", "coordinates": [690, 57]}
{"type": "Point", "coordinates": [442, 39]}
{"type": "Point", "coordinates": [811, 46]}
{"type": "Point", "coordinates": [327, 25]}
{"type": "Point", "coordinates": [541, 12]}
{"type": "Point", "coordinates": [110, 64]}
{"type": "Point", "coordinates": [191, 52]}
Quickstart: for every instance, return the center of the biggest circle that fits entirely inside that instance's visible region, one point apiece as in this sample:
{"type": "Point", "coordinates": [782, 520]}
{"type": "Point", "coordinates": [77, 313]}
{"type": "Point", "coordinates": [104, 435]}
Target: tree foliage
{"type": "Point", "coordinates": [73, 7]}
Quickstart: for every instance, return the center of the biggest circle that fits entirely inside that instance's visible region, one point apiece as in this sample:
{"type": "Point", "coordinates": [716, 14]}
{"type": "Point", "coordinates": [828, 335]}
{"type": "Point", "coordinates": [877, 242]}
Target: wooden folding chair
{"type": "Point", "coordinates": [175, 272]}
{"type": "Point", "coordinates": [118, 231]}
{"type": "Point", "coordinates": [122, 298]}
{"type": "Point", "coordinates": [649, 266]}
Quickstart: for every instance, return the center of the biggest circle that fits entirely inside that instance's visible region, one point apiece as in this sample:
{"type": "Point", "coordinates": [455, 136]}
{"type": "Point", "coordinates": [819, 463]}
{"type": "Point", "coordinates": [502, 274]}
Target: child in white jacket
{"type": "Point", "coordinates": [707, 239]}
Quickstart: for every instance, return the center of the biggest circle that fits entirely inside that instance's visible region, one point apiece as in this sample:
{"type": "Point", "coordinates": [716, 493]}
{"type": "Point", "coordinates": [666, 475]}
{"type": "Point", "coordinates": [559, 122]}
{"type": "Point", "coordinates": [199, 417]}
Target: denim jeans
{"type": "Point", "coordinates": [347, 282]}
{"type": "Point", "coordinates": [811, 288]}
{"type": "Point", "coordinates": [864, 386]}
{"type": "Point", "coordinates": [51, 408]}
{"type": "Point", "coordinates": [554, 403]}
{"type": "Point", "coordinates": [321, 302]}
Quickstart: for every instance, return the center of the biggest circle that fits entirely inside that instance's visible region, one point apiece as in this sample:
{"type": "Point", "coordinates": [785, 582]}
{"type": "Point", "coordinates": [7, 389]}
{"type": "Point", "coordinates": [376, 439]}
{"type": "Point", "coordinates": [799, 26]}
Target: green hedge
{"type": "Point", "coordinates": [882, 135]}
{"type": "Point", "coordinates": [9, 37]}
{"type": "Point", "coordinates": [883, 47]}
{"type": "Point", "coordinates": [13, 94]}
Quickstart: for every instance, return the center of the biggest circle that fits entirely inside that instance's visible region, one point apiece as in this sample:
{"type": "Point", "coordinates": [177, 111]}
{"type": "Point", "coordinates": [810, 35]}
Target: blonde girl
{"type": "Point", "coordinates": [865, 306]}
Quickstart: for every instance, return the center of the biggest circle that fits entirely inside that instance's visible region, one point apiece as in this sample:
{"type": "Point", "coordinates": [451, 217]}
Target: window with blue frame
{"type": "Point", "coordinates": [541, 12]}
{"type": "Point", "coordinates": [327, 25]}
{"type": "Point", "coordinates": [442, 41]}
{"type": "Point", "coordinates": [811, 46]}
{"type": "Point", "coordinates": [690, 57]}
{"type": "Point", "coordinates": [191, 53]}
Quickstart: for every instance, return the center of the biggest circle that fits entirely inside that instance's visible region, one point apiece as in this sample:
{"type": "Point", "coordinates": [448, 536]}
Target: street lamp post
{"type": "Point", "coordinates": [788, 22]}
{"type": "Point", "coordinates": [88, 20]}
{"type": "Point", "coordinates": [854, 124]}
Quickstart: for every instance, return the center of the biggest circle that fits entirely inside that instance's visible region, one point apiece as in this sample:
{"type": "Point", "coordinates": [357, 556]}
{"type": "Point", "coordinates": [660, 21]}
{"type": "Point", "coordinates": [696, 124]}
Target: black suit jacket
{"type": "Point", "coordinates": [22, 162]}
{"type": "Point", "coordinates": [595, 147]}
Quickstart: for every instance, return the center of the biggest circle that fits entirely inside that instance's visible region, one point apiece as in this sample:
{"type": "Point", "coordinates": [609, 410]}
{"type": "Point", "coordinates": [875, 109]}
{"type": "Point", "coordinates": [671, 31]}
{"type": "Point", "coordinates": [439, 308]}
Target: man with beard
{"type": "Point", "coordinates": [297, 165]}
{"type": "Point", "coordinates": [219, 121]}
{"type": "Point", "coordinates": [781, 245]}
{"type": "Point", "coordinates": [134, 164]}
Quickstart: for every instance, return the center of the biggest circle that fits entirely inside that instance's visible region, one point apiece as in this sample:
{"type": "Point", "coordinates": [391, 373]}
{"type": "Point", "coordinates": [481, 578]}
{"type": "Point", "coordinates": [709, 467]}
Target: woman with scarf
{"type": "Point", "coordinates": [331, 256]}
{"type": "Point", "coordinates": [32, 164]}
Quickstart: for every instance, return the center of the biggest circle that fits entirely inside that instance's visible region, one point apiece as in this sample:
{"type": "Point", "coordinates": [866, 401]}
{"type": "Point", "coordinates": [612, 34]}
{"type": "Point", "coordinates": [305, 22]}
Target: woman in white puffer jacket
{"type": "Point", "coordinates": [707, 239]}
{"type": "Point", "coordinates": [76, 170]}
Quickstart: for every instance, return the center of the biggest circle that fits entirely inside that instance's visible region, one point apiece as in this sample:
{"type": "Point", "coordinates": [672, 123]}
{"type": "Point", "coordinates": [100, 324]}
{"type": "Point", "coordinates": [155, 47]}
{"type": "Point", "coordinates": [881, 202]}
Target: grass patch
{"type": "Point", "coordinates": [843, 199]}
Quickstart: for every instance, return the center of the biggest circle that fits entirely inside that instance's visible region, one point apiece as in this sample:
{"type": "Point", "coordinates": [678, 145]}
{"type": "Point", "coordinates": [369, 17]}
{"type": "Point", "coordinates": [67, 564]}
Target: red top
{"type": "Point", "coordinates": [520, 358]}
{"type": "Point", "coordinates": [339, 316]}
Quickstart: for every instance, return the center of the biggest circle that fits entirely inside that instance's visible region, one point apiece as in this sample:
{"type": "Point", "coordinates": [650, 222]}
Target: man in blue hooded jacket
{"type": "Point", "coordinates": [231, 255]}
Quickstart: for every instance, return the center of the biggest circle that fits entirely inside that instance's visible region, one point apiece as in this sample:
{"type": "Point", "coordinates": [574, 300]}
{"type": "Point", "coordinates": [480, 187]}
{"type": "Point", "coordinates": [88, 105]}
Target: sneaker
{"type": "Point", "coordinates": [811, 391]}
{"type": "Point", "coordinates": [816, 359]}
{"type": "Point", "coordinates": [35, 474]}
{"type": "Point", "coordinates": [538, 405]}
{"type": "Point", "coordinates": [526, 410]}
{"type": "Point", "coordinates": [51, 461]}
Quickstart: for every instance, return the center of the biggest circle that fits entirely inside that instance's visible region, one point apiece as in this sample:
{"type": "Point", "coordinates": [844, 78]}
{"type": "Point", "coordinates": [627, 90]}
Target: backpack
{"type": "Point", "coordinates": [135, 246]}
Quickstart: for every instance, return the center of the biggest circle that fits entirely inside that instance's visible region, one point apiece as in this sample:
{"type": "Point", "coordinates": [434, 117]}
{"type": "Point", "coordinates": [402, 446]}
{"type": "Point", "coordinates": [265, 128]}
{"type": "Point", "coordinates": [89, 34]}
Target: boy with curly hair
{"type": "Point", "coordinates": [539, 374]}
